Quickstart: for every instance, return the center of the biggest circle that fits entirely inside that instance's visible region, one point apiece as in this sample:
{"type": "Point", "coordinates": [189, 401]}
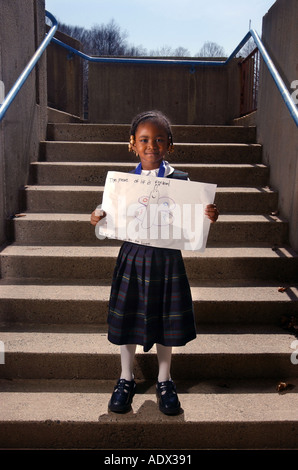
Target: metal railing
{"type": "Point", "coordinates": [276, 77]}
{"type": "Point", "coordinates": [250, 77]}
{"type": "Point", "coordinates": [30, 66]}
{"type": "Point", "coordinates": [192, 63]}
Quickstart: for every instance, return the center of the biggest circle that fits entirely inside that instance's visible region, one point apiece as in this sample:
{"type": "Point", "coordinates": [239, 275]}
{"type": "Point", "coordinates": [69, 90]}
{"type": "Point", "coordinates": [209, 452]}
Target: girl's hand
{"type": "Point", "coordinates": [96, 216]}
{"type": "Point", "coordinates": [212, 212]}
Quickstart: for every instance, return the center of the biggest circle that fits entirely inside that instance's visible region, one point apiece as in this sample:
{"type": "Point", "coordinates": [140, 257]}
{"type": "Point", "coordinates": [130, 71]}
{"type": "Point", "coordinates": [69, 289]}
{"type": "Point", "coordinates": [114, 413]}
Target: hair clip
{"type": "Point", "coordinates": [131, 143]}
{"type": "Point", "coordinates": [171, 148]}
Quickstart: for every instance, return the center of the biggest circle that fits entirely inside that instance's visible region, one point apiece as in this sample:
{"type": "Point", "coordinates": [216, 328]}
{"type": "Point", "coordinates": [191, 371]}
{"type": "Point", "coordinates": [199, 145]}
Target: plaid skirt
{"type": "Point", "coordinates": [150, 299]}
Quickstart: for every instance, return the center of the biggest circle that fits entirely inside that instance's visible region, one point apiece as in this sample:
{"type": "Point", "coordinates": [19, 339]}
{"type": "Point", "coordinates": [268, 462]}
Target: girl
{"type": "Point", "coordinates": [150, 301]}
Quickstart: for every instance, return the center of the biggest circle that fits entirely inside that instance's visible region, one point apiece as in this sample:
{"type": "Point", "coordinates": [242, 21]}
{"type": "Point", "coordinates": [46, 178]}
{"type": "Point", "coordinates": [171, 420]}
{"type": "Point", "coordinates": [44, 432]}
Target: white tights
{"type": "Point", "coordinates": [164, 356]}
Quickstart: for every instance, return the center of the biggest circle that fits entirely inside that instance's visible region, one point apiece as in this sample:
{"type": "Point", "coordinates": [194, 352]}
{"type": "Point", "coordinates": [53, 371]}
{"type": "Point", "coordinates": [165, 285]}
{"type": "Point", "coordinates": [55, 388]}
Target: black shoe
{"type": "Point", "coordinates": [122, 396]}
{"type": "Point", "coordinates": [169, 403]}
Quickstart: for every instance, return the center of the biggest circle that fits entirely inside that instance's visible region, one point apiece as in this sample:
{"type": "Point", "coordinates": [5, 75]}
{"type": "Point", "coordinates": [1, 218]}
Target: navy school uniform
{"type": "Point", "coordinates": [150, 300]}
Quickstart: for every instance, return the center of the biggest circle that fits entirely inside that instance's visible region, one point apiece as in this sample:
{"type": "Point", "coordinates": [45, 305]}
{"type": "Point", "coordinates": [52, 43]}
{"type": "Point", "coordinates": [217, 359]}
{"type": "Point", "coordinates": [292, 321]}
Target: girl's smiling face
{"type": "Point", "coordinates": [151, 144]}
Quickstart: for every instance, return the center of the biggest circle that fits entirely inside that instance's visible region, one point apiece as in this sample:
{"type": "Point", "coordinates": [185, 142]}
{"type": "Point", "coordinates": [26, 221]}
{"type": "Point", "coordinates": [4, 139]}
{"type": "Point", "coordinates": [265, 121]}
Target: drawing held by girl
{"type": "Point", "coordinates": [150, 301]}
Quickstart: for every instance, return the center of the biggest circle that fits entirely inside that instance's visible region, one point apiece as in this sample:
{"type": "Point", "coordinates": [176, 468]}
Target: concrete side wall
{"type": "Point", "coordinates": [22, 29]}
{"type": "Point", "coordinates": [276, 129]}
{"type": "Point", "coordinates": [65, 77]}
{"type": "Point", "coordinates": [206, 95]}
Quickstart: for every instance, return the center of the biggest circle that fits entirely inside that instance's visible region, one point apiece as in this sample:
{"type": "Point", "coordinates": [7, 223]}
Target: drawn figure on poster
{"type": "Point", "coordinates": [155, 210]}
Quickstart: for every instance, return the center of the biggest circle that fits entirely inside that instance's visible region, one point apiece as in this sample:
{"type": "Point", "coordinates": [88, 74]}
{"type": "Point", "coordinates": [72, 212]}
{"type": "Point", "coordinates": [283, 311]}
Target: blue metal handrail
{"type": "Point", "coordinates": [276, 77]}
{"type": "Point", "coordinates": [144, 60]}
{"type": "Point", "coordinates": [193, 63]}
{"type": "Point", "coordinates": [30, 66]}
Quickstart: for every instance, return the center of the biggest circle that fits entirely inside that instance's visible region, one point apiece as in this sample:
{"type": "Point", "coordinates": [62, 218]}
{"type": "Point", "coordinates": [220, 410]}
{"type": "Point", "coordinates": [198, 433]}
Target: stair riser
{"type": "Point", "coordinates": [120, 133]}
{"type": "Point", "coordinates": [118, 152]}
{"type": "Point", "coordinates": [205, 268]}
{"type": "Point", "coordinates": [162, 434]}
{"type": "Point", "coordinates": [81, 232]}
{"type": "Point", "coordinates": [94, 313]}
{"type": "Point", "coordinates": [184, 367]}
{"type": "Point", "coordinates": [84, 202]}
{"type": "Point", "coordinates": [96, 175]}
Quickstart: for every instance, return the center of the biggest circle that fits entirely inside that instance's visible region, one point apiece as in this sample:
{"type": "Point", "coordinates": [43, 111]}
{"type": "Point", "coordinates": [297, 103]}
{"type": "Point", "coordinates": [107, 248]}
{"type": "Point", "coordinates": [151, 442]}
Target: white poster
{"type": "Point", "coordinates": [153, 211]}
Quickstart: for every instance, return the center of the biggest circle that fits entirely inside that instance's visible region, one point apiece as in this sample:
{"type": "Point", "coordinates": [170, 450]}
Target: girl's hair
{"type": "Point", "coordinates": [155, 116]}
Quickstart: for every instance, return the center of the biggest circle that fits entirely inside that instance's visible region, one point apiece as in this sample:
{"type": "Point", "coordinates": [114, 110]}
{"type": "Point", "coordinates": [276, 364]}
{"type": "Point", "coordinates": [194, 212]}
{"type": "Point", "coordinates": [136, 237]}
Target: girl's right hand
{"type": "Point", "coordinates": [96, 216]}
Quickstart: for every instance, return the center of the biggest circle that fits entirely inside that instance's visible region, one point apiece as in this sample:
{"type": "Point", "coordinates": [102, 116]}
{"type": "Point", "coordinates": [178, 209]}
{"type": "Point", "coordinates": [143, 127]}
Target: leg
{"type": "Point", "coordinates": [124, 390]}
{"type": "Point", "coordinates": [128, 352]}
{"type": "Point", "coordinates": [165, 388]}
{"type": "Point", "coordinates": [164, 356]}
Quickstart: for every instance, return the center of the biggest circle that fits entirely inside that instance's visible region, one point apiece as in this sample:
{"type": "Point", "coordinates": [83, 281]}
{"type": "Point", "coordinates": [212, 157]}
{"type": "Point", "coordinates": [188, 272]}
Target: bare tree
{"type": "Point", "coordinates": [247, 48]}
{"type": "Point", "coordinates": [108, 39]}
{"type": "Point", "coordinates": [168, 51]}
{"type": "Point", "coordinates": [163, 51]}
{"type": "Point", "coordinates": [211, 49]}
{"type": "Point", "coordinates": [105, 39]}
{"type": "Point", "coordinates": [136, 51]}
{"type": "Point", "coordinates": [76, 32]}
{"type": "Point", "coordinates": [181, 52]}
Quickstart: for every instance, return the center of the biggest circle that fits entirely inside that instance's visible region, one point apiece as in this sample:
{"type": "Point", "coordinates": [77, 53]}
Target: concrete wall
{"type": "Point", "coordinates": [207, 95]}
{"type": "Point", "coordinates": [22, 28]}
{"type": "Point", "coordinates": [65, 76]}
{"type": "Point", "coordinates": [276, 128]}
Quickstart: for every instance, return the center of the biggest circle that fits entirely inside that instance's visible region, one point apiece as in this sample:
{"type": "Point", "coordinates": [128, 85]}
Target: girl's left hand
{"type": "Point", "coordinates": [212, 212]}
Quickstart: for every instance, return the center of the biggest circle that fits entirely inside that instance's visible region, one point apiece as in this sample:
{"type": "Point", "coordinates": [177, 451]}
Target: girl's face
{"type": "Point", "coordinates": [151, 144]}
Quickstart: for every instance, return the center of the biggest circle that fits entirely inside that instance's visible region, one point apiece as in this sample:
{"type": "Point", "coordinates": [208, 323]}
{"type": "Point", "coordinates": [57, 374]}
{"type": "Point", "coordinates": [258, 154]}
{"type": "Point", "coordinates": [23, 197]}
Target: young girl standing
{"type": "Point", "coordinates": [150, 300]}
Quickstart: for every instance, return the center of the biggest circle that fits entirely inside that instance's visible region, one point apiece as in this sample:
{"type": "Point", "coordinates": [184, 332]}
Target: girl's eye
{"type": "Point", "coordinates": [145, 140]}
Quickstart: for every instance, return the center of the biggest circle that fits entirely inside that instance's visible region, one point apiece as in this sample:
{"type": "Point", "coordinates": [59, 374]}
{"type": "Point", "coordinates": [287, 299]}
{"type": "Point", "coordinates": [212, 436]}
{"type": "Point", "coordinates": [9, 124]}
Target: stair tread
{"type": "Point", "coordinates": [94, 125]}
{"type": "Point", "coordinates": [110, 165]}
{"type": "Point", "coordinates": [85, 217]}
{"type": "Point", "coordinates": [211, 340]}
{"type": "Point", "coordinates": [78, 188]}
{"type": "Point", "coordinates": [203, 401]}
{"type": "Point", "coordinates": [69, 143]}
{"type": "Point", "coordinates": [112, 251]}
{"type": "Point", "coordinates": [56, 289]}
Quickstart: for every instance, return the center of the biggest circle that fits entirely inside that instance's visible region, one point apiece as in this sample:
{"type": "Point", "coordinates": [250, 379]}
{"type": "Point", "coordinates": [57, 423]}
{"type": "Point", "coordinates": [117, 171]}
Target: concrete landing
{"type": "Point", "coordinates": [223, 414]}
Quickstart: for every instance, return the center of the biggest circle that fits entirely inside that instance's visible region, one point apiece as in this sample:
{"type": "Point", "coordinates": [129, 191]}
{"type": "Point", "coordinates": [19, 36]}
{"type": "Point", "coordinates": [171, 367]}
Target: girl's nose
{"type": "Point", "coordinates": [151, 143]}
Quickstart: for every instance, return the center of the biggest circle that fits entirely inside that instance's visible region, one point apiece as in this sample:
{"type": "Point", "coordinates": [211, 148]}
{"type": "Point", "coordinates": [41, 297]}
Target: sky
{"type": "Point", "coordinates": [157, 23]}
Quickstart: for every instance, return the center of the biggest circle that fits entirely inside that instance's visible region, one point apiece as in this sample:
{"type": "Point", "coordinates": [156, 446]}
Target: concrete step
{"type": "Point", "coordinates": [97, 262]}
{"type": "Point", "coordinates": [74, 302]}
{"type": "Point", "coordinates": [216, 414]}
{"type": "Point", "coordinates": [121, 133]}
{"type": "Point", "coordinates": [118, 152]}
{"type": "Point", "coordinates": [78, 199]}
{"type": "Point", "coordinates": [94, 174]}
{"type": "Point", "coordinates": [48, 228]}
{"type": "Point", "coordinates": [219, 351]}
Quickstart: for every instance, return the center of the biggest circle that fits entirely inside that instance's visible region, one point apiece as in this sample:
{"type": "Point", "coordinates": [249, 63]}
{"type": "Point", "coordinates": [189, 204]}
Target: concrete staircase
{"type": "Point", "coordinates": [59, 368]}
